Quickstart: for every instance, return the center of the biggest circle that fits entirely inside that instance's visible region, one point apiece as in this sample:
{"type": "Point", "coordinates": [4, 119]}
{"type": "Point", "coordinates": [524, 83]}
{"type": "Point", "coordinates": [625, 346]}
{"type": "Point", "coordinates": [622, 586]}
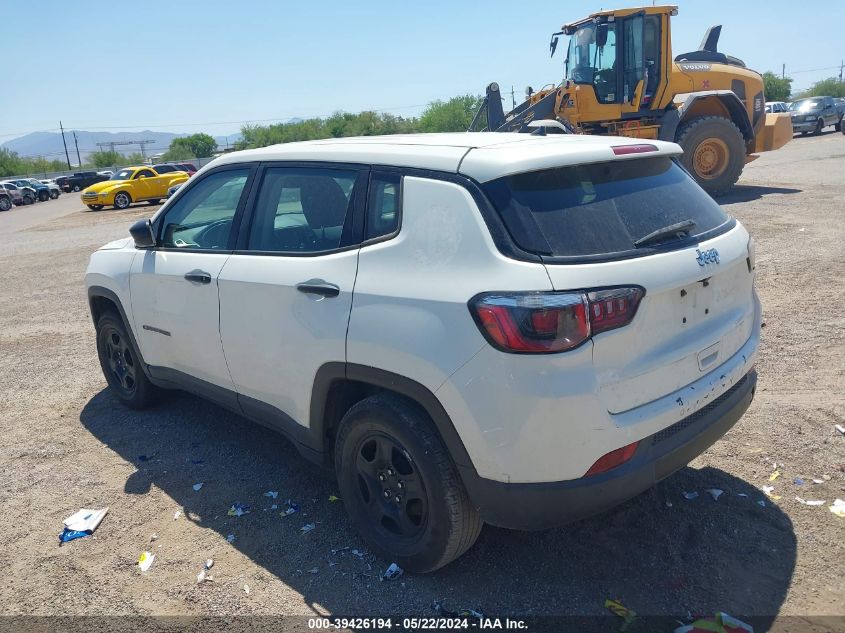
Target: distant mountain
{"type": "Point", "coordinates": [49, 144]}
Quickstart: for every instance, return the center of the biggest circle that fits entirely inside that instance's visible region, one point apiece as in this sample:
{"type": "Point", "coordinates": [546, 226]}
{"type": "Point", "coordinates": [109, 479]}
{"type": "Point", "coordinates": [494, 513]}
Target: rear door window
{"type": "Point", "coordinates": [601, 210]}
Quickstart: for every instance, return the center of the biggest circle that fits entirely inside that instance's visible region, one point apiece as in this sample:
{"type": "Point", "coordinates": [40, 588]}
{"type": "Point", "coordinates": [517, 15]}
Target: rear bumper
{"type": "Point", "coordinates": [803, 126]}
{"type": "Point", "coordinates": [537, 506]}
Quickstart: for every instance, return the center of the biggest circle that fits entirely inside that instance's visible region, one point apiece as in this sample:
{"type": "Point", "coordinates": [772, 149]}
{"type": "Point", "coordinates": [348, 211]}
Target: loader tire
{"type": "Point", "coordinates": [714, 152]}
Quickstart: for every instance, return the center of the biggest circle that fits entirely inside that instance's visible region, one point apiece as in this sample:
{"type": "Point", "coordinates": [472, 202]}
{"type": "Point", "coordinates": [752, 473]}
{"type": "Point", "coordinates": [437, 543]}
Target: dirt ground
{"type": "Point", "coordinates": [67, 444]}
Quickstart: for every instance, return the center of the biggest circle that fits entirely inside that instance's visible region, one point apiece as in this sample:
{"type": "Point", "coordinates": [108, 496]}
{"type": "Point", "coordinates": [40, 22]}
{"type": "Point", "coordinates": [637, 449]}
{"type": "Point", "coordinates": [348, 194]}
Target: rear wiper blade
{"type": "Point", "coordinates": [677, 230]}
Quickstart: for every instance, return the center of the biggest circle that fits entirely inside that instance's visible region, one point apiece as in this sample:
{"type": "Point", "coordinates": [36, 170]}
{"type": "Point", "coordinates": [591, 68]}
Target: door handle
{"type": "Point", "coordinates": [318, 287]}
{"type": "Point", "coordinates": [198, 276]}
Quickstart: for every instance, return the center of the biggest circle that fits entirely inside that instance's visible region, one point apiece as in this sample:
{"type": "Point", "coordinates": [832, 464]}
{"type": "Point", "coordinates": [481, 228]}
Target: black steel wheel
{"type": "Point", "coordinates": [400, 486]}
{"type": "Point", "coordinates": [5, 203]}
{"type": "Point", "coordinates": [121, 364]}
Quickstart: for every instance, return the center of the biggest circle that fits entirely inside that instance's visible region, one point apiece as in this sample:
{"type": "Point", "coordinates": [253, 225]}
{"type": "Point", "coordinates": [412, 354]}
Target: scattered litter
{"type": "Point", "coordinates": [689, 496]}
{"type": "Point", "coordinates": [801, 230]}
{"type": "Point", "coordinates": [81, 523]}
{"type": "Point", "coordinates": [393, 572]}
{"type": "Point", "coordinates": [741, 494]}
{"type": "Point", "coordinates": [358, 553]}
{"type": "Point", "coordinates": [774, 475]}
{"type": "Point", "coordinates": [153, 537]}
{"type": "Point", "coordinates": [271, 493]}
{"type": "Point", "coordinates": [209, 563]}
{"type": "Point", "coordinates": [202, 577]}
{"type": "Point", "coordinates": [177, 514]}
{"type": "Point", "coordinates": [246, 589]}
{"type": "Point", "coordinates": [769, 490]}
{"type": "Point", "coordinates": [721, 623]}
{"type": "Point", "coordinates": [340, 549]}
{"type": "Point", "coordinates": [307, 528]}
{"type": "Point", "coordinates": [197, 486]}
{"type": "Point", "coordinates": [314, 570]}
{"type": "Point", "coordinates": [333, 498]}
{"type": "Point", "coordinates": [145, 560]}
{"type": "Point", "coordinates": [668, 503]}
{"type": "Point", "coordinates": [838, 508]}
{"type": "Point", "coordinates": [818, 481]}
{"type": "Point", "coordinates": [840, 428]}
{"type": "Point", "coordinates": [291, 508]}
{"type": "Point", "coordinates": [761, 503]}
{"type": "Point", "coordinates": [618, 609]}
{"type": "Point", "coordinates": [715, 493]}
{"type": "Point", "coordinates": [810, 502]}
{"type": "Point", "coordinates": [238, 510]}
{"type": "Point", "coordinates": [230, 538]}
{"type": "Point", "coordinates": [274, 507]}
{"type": "Point", "coordinates": [798, 481]}
{"type": "Point", "coordinates": [826, 477]}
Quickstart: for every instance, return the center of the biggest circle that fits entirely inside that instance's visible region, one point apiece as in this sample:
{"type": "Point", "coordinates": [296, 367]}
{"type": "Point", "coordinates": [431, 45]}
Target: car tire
{"type": "Point", "coordinates": [122, 365]}
{"type": "Point", "coordinates": [54, 195]}
{"type": "Point", "coordinates": [43, 196]}
{"type": "Point", "coordinates": [714, 152]}
{"type": "Point", "coordinates": [76, 188]}
{"type": "Point", "coordinates": [819, 127]}
{"type": "Point", "coordinates": [153, 202]}
{"type": "Point", "coordinates": [5, 204]}
{"type": "Point", "coordinates": [387, 449]}
{"type": "Point", "coordinates": [122, 200]}
{"type": "Point", "coordinates": [28, 200]}
{"type": "Point", "coordinates": [95, 207]}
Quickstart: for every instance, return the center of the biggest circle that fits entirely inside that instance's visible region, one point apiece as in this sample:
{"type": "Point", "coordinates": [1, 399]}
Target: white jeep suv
{"type": "Point", "coordinates": [515, 329]}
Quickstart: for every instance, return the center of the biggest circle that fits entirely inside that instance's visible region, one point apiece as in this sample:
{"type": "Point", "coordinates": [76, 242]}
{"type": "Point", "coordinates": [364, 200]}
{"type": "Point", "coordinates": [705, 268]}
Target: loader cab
{"type": "Point", "coordinates": [613, 55]}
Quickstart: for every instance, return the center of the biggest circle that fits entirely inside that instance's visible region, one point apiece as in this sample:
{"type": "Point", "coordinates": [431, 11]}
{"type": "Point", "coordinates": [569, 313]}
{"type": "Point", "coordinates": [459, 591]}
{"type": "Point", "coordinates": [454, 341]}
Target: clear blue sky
{"type": "Point", "coordinates": [181, 65]}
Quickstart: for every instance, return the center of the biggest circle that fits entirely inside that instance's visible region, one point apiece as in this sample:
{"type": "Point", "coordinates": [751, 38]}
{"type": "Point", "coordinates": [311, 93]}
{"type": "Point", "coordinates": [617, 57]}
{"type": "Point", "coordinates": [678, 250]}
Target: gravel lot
{"type": "Point", "coordinates": [67, 444]}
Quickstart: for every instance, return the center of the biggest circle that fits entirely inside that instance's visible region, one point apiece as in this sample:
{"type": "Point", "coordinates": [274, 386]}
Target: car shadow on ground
{"type": "Point", "coordinates": [659, 554]}
{"type": "Point", "coordinates": [747, 193]}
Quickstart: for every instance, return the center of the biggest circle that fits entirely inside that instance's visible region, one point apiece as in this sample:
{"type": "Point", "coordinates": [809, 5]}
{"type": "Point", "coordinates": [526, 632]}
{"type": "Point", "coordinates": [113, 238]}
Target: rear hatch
{"type": "Point", "coordinates": [591, 226]}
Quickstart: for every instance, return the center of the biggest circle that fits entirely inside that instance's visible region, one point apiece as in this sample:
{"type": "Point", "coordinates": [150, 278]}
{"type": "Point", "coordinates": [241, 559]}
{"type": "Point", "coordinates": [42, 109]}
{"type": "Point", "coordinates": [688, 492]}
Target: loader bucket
{"type": "Point", "coordinates": [776, 132]}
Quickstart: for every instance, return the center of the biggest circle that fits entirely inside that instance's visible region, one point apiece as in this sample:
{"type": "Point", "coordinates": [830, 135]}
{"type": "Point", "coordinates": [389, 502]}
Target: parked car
{"type": "Point", "coordinates": [42, 191]}
{"type": "Point", "coordinates": [20, 195]}
{"type": "Point", "coordinates": [6, 201]}
{"type": "Point", "coordinates": [55, 190]}
{"type": "Point", "coordinates": [839, 102]}
{"type": "Point", "coordinates": [80, 180]}
{"type": "Point", "coordinates": [187, 167]}
{"type": "Point", "coordinates": [173, 189]}
{"type": "Point", "coordinates": [167, 168]}
{"type": "Point", "coordinates": [814, 114]}
{"type": "Point", "coordinates": [511, 329]}
{"type": "Point", "coordinates": [777, 106]}
{"type": "Point", "coordinates": [106, 172]}
{"type": "Point", "coordinates": [131, 184]}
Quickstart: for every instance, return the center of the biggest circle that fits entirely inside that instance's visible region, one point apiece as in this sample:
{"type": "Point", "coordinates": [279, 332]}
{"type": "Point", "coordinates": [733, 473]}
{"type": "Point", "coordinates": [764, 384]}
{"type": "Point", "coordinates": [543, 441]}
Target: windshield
{"type": "Point", "coordinates": [804, 105]}
{"type": "Point", "coordinates": [123, 174]}
{"type": "Point", "coordinates": [602, 209]}
{"type": "Point", "coordinates": [585, 60]}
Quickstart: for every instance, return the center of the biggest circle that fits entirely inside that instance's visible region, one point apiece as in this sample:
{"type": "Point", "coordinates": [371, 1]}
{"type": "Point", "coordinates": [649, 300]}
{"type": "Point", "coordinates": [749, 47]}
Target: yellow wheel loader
{"type": "Point", "coordinates": [621, 80]}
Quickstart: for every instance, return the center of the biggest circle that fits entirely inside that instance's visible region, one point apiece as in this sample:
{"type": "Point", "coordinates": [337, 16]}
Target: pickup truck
{"type": "Point", "coordinates": [131, 184]}
{"type": "Point", "coordinates": [79, 180]}
{"type": "Point", "coordinates": [813, 114]}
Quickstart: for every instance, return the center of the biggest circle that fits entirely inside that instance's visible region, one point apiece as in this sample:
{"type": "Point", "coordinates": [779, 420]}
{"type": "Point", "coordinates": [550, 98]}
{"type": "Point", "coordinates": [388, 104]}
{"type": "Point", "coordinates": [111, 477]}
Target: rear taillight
{"type": "Point", "coordinates": [547, 322]}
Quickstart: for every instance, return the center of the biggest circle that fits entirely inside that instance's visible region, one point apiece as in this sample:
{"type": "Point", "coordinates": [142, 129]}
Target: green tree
{"type": "Point", "coordinates": [11, 164]}
{"type": "Point", "coordinates": [135, 158]}
{"type": "Point", "coordinates": [830, 87]}
{"type": "Point", "coordinates": [193, 146]}
{"type": "Point", "coordinates": [105, 158]}
{"type": "Point", "coordinates": [776, 88]}
{"type": "Point", "coordinates": [454, 115]}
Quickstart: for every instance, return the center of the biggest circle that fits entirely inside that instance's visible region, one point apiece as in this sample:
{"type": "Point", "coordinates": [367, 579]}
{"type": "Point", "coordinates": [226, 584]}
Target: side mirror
{"type": "Point", "coordinates": [601, 35]}
{"type": "Point", "coordinates": [142, 233]}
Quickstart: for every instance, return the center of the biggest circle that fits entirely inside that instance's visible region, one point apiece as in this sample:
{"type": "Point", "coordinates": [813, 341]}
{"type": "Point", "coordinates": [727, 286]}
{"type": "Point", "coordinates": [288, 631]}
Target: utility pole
{"type": "Point", "coordinates": [783, 72]}
{"type": "Point", "coordinates": [76, 142]}
{"type": "Point", "coordinates": [513, 99]}
{"type": "Point", "coordinates": [65, 144]}
{"type": "Point", "coordinates": [841, 65]}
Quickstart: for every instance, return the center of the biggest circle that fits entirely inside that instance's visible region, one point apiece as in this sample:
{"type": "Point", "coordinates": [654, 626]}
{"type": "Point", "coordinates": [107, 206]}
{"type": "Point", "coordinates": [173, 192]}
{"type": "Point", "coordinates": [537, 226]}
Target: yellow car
{"type": "Point", "coordinates": [131, 184]}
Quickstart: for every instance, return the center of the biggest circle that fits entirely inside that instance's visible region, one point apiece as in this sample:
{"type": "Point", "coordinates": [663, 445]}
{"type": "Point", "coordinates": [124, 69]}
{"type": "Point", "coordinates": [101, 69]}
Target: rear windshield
{"type": "Point", "coordinates": [600, 209]}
